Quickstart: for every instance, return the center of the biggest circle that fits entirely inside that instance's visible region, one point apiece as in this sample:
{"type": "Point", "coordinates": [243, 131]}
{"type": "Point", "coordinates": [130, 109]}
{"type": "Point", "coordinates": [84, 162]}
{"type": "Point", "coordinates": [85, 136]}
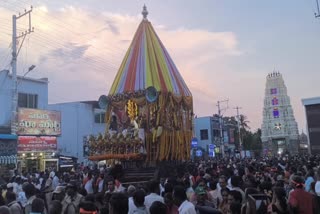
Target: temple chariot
{"type": "Point", "coordinates": [149, 108]}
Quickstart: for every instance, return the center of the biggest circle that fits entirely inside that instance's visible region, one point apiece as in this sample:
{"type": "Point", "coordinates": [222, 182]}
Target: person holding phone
{"type": "Point", "coordinates": [279, 202]}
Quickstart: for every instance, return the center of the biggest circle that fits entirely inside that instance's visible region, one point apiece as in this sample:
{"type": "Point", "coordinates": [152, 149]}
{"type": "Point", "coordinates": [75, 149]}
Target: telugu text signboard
{"type": "Point", "coordinates": [37, 144]}
{"type": "Point", "coordinates": [39, 122]}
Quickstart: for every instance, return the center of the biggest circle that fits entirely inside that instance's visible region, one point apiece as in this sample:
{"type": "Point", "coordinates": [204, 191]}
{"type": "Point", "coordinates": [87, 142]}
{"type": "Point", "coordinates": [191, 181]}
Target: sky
{"type": "Point", "coordinates": [223, 49]}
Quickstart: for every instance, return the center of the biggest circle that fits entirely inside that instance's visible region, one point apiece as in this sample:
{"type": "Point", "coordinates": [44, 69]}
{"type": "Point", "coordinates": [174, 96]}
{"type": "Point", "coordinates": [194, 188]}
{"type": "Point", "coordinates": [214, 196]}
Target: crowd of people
{"type": "Point", "coordinates": [287, 184]}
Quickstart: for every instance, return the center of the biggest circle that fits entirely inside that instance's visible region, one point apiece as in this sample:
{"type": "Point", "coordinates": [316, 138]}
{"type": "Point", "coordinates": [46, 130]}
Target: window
{"type": "Point", "coordinates": [99, 117]}
{"type": "Point", "coordinates": [276, 113]}
{"type": "Point", "coordinates": [275, 101]}
{"type": "Point", "coordinates": [204, 134]}
{"type": "Point", "coordinates": [27, 100]}
{"type": "Point", "coordinates": [273, 91]}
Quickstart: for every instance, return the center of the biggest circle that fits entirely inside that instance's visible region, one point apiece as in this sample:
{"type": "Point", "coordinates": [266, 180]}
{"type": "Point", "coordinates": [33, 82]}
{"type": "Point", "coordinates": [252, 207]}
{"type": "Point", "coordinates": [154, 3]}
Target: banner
{"type": "Point", "coordinates": [38, 122]}
{"type": "Point", "coordinates": [37, 144]}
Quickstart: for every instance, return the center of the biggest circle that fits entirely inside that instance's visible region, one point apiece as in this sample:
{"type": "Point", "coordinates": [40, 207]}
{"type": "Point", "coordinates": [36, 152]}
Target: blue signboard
{"type": "Point", "coordinates": [194, 143]}
{"type": "Point", "coordinates": [211, 150]}
{"type": "Point", "coordinates": [211, 153]}
{"type": "Point", "coordinates": [199, 153]}
{"type": "Point", "coordinates": [211, 146]}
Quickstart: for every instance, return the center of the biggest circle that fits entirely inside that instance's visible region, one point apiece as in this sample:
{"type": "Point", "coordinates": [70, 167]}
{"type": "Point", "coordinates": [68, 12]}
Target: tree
{"type": "Point", "coordinates": [257, 143]}
{"type": "Point", "coordinates": [247, 139]}
{"type": "Point", "coordinates": [243, 120]}
{"type": "Point", "coordinates": [252, 141]}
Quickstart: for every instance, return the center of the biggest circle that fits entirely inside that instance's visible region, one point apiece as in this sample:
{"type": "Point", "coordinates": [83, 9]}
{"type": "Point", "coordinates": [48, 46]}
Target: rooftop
{"type": "Point", "coordinates": [310, 101]}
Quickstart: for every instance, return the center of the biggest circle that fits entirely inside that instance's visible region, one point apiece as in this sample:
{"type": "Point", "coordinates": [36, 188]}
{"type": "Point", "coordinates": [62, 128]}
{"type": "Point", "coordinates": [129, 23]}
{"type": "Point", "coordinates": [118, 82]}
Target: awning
{"type": "Point", "coordinates": [12, 159]}
{"type": "Point", "coordinates": [8, 136]}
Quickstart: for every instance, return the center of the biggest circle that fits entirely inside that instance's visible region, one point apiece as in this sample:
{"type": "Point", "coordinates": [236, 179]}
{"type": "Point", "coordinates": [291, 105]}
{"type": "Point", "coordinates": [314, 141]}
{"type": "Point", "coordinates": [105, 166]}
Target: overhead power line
{"type": "Point", "coordinates": [67, 27]}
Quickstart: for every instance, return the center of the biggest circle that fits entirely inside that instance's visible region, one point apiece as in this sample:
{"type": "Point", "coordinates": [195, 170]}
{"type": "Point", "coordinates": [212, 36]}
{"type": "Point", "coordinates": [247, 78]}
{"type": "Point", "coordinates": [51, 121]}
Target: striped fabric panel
{"type": "Point", "coordinates": [148, 63]}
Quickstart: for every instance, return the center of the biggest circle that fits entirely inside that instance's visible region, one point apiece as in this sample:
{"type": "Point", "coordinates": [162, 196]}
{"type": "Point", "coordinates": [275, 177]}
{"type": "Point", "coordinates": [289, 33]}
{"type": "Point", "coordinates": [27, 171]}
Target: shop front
{"type": "Point", "coordinates": [37, 140]}
{"type": "Point", "coordinates": [37, 153]}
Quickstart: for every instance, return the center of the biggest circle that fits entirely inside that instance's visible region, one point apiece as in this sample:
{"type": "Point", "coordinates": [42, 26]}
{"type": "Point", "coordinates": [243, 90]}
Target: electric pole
{"type": "Point", "coordinates": [317, 15]}
{"type": "Point", "coordinates": [220, 123]}
{"type": "Point", "coordinates": [14, 65]}
{"type": "Point", "coordinates": [239, 130]}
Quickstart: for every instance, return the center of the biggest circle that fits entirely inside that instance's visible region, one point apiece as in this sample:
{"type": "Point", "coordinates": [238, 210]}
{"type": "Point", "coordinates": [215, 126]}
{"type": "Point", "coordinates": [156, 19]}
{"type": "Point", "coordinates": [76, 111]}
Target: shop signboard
{"type": "Point", "coordinates": [67, 161]}
{"type": "Point", "coordinates": [199, 153]}
{"type": "Point", "coordinates": [194, 143]}
{"type": "Point", "coordinates": [211, 154]}
{"type": "Point", "coordinates": [211, 150]}
{"type": "Point", "coordinates": [211, 146]}
{"type": "Point", "coordinates": [39, 122]}
{"type": "Point", "coordinates": [37, 144]}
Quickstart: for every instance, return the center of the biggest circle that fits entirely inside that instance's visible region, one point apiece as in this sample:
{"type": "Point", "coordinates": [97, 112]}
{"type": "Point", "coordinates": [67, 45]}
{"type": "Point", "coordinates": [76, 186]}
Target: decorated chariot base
{"type": "Point", "coordinates": [116, 146]}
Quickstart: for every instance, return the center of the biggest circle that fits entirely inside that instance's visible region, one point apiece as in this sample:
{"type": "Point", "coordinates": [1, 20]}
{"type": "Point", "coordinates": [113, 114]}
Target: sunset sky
{"type": "Point", "coordinates": [223, 49]}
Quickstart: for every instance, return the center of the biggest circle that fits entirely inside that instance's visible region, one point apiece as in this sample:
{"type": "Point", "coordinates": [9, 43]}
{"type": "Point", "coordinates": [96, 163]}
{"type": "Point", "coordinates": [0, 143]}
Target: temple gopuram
{"type": "Point", "coordinates": [149, 108]}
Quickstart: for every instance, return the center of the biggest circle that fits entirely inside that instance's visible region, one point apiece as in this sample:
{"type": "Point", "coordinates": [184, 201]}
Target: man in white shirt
{"type": "Point", "coordinates": [154, 188]}
{"type": "Point", "coordinates": [132, 207]}
{"type": "Point", "coordinates": [180, 197]}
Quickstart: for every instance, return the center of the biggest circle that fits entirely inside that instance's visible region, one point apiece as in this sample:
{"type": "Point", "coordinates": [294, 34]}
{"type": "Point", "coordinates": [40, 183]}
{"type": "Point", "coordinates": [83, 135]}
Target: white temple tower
{"type": "Point", "coordinates": [279, 128]}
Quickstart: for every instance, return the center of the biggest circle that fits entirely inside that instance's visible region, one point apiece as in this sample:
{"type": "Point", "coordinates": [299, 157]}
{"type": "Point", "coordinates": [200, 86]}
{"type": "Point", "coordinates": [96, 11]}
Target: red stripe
{"type": "Point", "coordinates": [131, 75]}
{"type": "Point", "coordinates": [170, 67]}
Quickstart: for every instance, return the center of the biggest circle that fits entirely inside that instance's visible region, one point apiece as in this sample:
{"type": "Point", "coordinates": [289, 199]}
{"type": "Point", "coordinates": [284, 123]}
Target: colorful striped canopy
{"type": "Point", "coordinates": [147, 63]}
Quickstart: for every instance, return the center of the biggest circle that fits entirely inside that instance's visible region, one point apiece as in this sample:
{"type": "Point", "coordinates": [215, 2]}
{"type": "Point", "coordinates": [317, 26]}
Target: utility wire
{"type": "Point", "coordinates": [45, 41]}
{"type": "Point", "coordinates": [65, 26]}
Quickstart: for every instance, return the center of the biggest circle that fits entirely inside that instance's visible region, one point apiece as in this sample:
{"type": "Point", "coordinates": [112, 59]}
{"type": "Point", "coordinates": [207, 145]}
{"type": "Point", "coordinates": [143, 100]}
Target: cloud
{"type": "Point", "coordinates": [113, 27]}
{"type": "Point", "coordinates": [69, 52]}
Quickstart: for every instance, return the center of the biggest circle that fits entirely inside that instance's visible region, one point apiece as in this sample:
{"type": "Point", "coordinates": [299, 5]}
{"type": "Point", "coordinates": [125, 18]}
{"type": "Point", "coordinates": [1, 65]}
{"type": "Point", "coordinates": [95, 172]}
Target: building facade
{"type": "Point", "coordinates": [279, 127]}
{"type": "Point", "coordinates": [312, 109]}
{"type": "Point", "coordinates": [208, 132]}
{"type": "Point", "coordinates": [33, 95]}
{"type": "Point", "coordinates": [79, 120]}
